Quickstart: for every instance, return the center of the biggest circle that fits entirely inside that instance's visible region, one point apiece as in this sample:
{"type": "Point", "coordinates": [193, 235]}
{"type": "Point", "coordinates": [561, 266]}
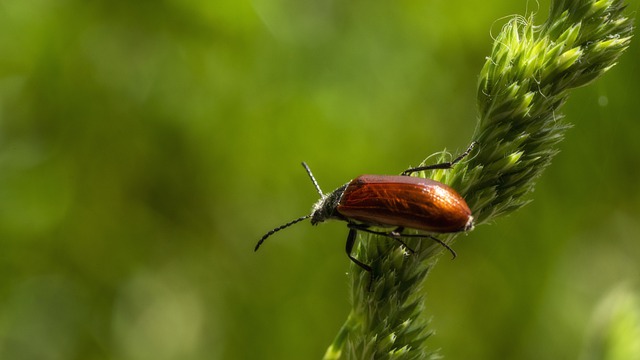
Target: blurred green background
{"type": "Point", "coordinates": [146, 146]}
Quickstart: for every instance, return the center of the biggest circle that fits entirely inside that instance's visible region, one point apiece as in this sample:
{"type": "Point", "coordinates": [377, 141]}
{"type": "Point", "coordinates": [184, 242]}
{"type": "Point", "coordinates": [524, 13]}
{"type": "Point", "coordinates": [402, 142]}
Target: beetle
{"type": "Point", "coordinates": [391, 202]}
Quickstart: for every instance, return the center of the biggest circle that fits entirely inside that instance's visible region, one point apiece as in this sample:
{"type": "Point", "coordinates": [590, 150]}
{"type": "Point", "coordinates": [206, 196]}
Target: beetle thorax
{"type": "Point", "coordinates": [325, 208]}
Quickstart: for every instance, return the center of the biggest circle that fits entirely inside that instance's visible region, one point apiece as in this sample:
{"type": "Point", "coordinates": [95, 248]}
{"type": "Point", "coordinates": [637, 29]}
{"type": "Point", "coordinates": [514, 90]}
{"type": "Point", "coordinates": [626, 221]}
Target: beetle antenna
{"type": "Point", "coordinates": [280, 228]}
{"type": "Point", "coordinates": [315, 183]}
{"type": "Point", "coordinates": [444, 165]}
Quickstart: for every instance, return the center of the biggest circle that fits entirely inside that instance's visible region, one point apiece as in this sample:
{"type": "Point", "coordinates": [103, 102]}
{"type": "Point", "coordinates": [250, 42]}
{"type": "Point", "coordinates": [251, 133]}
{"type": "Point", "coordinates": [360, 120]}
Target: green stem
{"type": "Point", "coordinates": [522, 87]}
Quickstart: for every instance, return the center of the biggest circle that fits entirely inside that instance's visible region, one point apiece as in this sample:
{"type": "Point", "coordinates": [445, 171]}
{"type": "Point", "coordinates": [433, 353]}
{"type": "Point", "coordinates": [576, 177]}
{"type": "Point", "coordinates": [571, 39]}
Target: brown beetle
{"type": "Point", "coordinates": [391, 201]}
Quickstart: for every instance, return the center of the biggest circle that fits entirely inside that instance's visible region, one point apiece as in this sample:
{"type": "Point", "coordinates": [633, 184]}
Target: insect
{"type": "Point", "coordinates": [391, 202]}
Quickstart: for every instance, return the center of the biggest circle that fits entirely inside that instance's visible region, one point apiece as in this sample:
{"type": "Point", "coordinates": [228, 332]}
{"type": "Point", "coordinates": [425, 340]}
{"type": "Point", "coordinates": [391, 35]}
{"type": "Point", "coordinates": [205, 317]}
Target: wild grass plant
{"type": "Point", "coordinates": [524, 83]}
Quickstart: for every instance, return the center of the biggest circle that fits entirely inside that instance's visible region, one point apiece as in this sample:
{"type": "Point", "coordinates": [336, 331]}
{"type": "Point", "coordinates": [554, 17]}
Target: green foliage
{"type": "Point", "coordinates": [522, 86]}
{"type": "Point", "coordinates": [145, 146]}
{"type": "Point", "coordinates": [614, 332]}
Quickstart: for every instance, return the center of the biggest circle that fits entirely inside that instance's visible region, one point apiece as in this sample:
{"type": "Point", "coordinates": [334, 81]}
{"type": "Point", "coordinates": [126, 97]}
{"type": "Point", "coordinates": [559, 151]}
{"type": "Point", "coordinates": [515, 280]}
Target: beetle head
{"type": "Point", "coordinates": [325, 208]}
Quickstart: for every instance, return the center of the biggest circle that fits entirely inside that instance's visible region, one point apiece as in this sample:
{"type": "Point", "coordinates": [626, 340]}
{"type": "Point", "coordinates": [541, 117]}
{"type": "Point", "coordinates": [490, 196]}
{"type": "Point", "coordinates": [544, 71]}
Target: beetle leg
{"type": "Point", "coordinates": [396, 235]}
{"type": "Point", "coordinates": [421, 236]}
{"type": "Point", "coordinates": [445, 165]}
{"type": "Point", "coordinates": [453, 253]}
{"type": "Point", "coordinates": [351, 239]}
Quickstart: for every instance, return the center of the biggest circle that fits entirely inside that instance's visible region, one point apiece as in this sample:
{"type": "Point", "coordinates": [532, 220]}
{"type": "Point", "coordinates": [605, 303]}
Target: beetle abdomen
{"type": "Point", "coordinates": [406, 201]}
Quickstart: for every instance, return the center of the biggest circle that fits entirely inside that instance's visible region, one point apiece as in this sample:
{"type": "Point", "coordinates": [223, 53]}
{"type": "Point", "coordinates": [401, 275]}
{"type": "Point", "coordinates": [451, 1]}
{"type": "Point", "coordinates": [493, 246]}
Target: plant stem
{"type": "Point", "coordinates": [522, 86]}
